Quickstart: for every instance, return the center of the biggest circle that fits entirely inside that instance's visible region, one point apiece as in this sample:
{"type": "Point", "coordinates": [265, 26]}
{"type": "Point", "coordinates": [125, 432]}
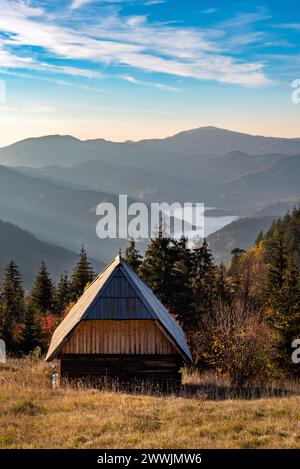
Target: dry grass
{"type": "Point", "coordinates": [33, 415]}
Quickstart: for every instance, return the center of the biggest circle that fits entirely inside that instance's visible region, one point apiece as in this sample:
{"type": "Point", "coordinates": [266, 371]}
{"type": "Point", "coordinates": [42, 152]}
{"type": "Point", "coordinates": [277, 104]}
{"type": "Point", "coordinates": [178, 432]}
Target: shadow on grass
{"type": "Point", "coordinates": [219, 392]}
{"type": "Point", "coordinates": [214, 391]}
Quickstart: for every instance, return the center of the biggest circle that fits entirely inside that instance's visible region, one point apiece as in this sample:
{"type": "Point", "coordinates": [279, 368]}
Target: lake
{"type": "Point", "coordinates": [211, 223]}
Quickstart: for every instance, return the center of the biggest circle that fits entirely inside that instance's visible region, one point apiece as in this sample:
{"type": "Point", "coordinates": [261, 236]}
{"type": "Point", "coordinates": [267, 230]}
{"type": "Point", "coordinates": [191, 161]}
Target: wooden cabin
{"type": "Point", "coordinates": [119, 329]}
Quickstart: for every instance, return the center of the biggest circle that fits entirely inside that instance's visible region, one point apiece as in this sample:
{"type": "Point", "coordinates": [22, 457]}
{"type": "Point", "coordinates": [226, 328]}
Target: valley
{"type": "Point", "coordinates": [51, 186]}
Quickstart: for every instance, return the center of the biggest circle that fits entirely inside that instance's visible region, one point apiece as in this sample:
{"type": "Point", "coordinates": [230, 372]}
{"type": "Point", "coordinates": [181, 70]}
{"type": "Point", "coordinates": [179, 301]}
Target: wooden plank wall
{"type": "Point", "coordinates": [118, 337]}
{"type": "Point", "coordinates": [123, 367]}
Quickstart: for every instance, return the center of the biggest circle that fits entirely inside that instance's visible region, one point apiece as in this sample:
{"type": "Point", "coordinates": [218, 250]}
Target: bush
{"type": "Point", "coordinates": [237, 345]}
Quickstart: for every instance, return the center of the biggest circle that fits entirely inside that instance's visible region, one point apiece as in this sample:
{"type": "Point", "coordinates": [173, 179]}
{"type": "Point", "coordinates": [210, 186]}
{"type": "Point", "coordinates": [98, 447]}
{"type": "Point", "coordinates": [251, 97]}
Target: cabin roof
{"type": "Point", "coordinates": [118, 293]}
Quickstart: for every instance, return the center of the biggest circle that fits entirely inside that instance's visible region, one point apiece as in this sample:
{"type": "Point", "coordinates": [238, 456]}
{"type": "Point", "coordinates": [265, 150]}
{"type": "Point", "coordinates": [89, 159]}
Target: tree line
{"type": "Point", "coordinates": [27, 320]}
{"type": "Point", "coordinates": [239, 320]}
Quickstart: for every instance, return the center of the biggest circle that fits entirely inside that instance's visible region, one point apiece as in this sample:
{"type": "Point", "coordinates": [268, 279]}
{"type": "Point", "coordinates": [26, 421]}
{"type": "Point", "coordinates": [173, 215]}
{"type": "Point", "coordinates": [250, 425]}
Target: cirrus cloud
{"type": "Point", "coordinates": [30, 36]}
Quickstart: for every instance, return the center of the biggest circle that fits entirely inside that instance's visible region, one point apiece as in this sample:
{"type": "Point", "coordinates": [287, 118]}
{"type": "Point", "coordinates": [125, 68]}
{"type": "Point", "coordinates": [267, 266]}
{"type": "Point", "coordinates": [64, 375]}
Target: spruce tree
{"type": "Point", "coordinates": [222, 291]}
{"type": "Point", "coordinates": [83, 275]}
{"type": "Point", "coordinates": [157, 268]}
{"type": "Point", "coordinates": [284, 310]}
{"type": "Point", "coordinates": [62, 295]}
{"type": "Point", "coordinates": [182, 293]}
{"type": "Point", "coordinates": [203, 283]}
{"type": "Point", "coordinates": [6, 327]}
{"type": "Point", "coordinates": [41, 298]}
{"type": "Point", "coordinates": [291, 300]}
{"type": "Point", "coordinates": [12, 293]}
{"type": "Point", "coordinates": [283, 288]}
{"type": "Point", "coordinates": [291, 303]}
{"type": "Point", "coordinates": [289, 229]}
{"type": "Point", "coordinates": [12, 303]}
{"type": "Point", "coordinates": [31, 335]}
{"type": "Point", "coordinates": [277, 258]}
{"type": "Point", "coordinates": [132, 256]}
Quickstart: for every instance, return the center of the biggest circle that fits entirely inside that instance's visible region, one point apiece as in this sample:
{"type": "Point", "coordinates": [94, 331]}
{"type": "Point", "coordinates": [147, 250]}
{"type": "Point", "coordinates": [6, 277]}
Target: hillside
{"type": "Point", "coordinates": [241, 234]}
{"type": "Point", "coordinates": [236, 164]}
{"type": "Point", "coordinates": [277, 209]}
{"type": "Point", "coordinates": [280, 180]}
{"type": "Point", "coordinates": [55, 213]}
{"type": "Point", "coordinates": [192, 180]}
{"type": "Point", "coordinates": [139, 183]}
{"type": "Point", "coordinates": [28, 252]}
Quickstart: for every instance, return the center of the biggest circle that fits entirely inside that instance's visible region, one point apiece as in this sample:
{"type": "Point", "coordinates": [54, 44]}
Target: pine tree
{"type": "Point", "coordinates": [6, 326]}
{"type": "Point", "coordinates": [222, 290]}
{"type": "Point", "coordinates": [157, 268]}
{"type": "Point", "coordinates": [62, 295]}
{"type": "Point", "coordinates": [291, 302]}
{"type": "Point", "coordinates": [203, 283]}
{"type": "Point", "coordinates": [284, 310]}
{"type": "Point", "coordinates": [132, 256]}
{"type": "Point", "coordinates": [41, 298]}
{"type": "Point", "coordinates": [12, 303]}
{"type": "Point", "coordinates": [31, 335]}
{"type": "Point", "coordinates": [182, 293]}
{"type": "Point", "coordinates": [283, 289]}
{"type": "Point", "coordinates": [12, 294]}
{"type": "Point", "coordinates": [291, 299]}
{"type": "Point", "coordinates": [277, 257]}
{"type": "Point", "coordinates": [83, 275]}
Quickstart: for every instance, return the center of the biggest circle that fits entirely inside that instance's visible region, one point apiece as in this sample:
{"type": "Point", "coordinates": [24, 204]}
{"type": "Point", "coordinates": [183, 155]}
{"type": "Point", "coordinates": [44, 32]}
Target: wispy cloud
{"type": "Point", "coordinates": [112, 40]}
{"type": "Point", "coordinates": [154, 2]}
{"type": "Point", "coordinates": [75, 4]}
{"type": "Point", "coordinates": [29, 76]}
{"type": "Point", "coordinates": [210, 11]}
{"type": "Point", "coordinates": [161, 86]}
{"type": "Point", "coordinates": [128, 109]}
{"type": "Point", "coordinates": [79, 3]}
{"type": "Point", "coordinates": [245, 19]}
{"type": "Point", "coordinates": [10, 60]}
{"type": "Point", "coordinates": [291, 26]}
{"type": "Point", "coordinates": [246, 39]}
{"type": "Point", "coordinates": [30, 108]}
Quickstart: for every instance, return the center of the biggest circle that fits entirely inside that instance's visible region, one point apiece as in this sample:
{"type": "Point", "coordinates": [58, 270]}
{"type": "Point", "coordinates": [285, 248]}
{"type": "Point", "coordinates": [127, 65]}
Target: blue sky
{"type": "Point", "coordinates": [133, 69]}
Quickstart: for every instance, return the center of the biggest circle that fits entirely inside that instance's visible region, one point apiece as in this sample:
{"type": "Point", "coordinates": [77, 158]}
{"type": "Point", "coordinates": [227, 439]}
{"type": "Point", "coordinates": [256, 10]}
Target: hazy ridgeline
{"type": "Point", "coordinates": [51, 186]}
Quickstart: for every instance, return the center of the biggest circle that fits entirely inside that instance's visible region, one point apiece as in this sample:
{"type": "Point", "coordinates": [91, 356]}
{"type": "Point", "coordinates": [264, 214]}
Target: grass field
{"type": "Point", "coordinates": [33, 415]}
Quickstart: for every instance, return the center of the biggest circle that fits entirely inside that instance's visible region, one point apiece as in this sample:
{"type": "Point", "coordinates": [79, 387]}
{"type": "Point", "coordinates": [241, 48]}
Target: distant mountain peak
{"type": "Point", "coordinates": [204, 143]}
{"type": "Point", "coordinates": [46, 138]}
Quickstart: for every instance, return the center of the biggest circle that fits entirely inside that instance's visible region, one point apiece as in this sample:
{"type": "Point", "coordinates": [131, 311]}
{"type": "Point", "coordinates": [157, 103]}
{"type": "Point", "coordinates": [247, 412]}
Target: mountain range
{"type": "Point", "coordinates": [51, 186]}
{"type": "Point", "coordinates": [204, 143]}
{"type": "Point", "coordinates": [169, 169]}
